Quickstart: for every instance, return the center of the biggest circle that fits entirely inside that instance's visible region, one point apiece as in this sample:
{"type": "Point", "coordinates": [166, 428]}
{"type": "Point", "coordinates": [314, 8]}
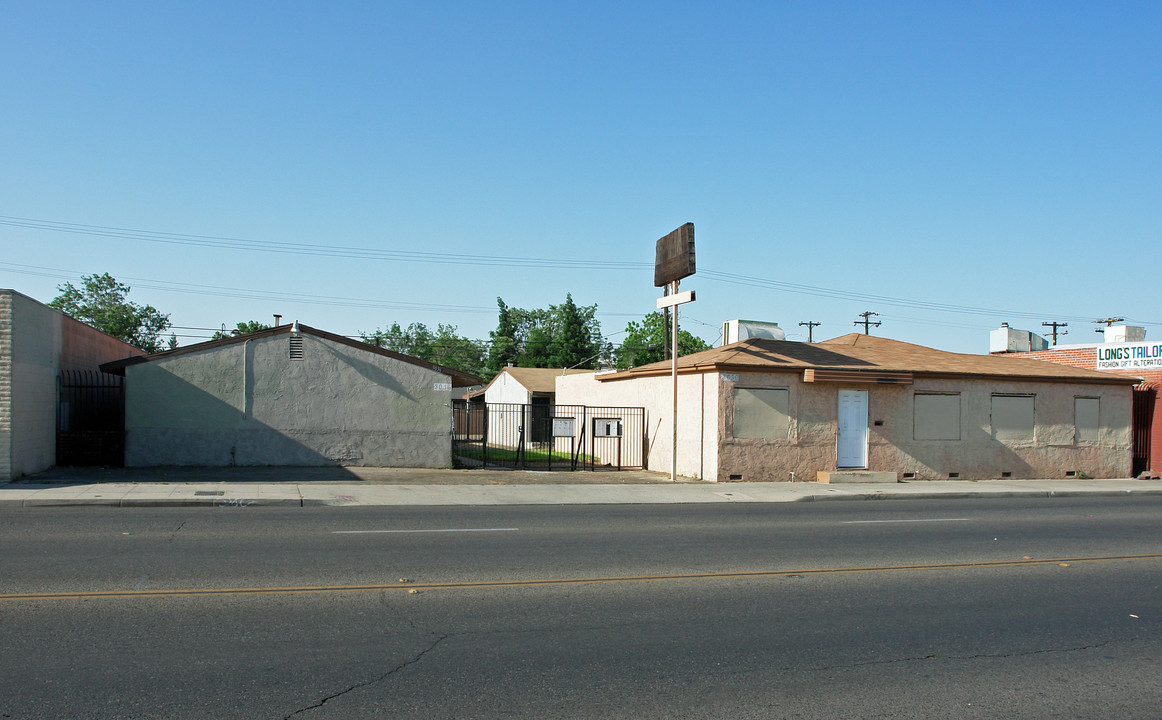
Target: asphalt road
{"type": "Point", "coordinates": [956, 608]}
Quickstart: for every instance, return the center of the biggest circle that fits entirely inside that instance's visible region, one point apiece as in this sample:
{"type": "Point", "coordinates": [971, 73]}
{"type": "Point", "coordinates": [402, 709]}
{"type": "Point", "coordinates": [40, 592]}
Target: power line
{"type": "Point", "coordinates": [229, 243]}
{"type": "Point", "coordinates": [270, 296]}
{"type": "Point", "coordinates": [735, 279]}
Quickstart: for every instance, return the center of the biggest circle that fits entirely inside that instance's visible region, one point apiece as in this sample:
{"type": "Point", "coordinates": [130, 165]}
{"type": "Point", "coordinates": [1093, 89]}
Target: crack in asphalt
{"type": "Point", "coordinates": [177, 530]}
{"type": "Point", "coordinates": [979, 656]}
{"type": "Point", "coordinates": [372, 681]}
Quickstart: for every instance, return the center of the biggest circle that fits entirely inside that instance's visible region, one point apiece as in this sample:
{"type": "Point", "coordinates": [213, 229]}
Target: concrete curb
{"type": "Point", "coordinates": [307, 495]}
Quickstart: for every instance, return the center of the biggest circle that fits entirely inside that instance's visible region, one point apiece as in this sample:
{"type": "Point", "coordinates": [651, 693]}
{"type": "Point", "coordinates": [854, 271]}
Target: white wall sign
{"type": "Point", "coordinates": [1130, 356]}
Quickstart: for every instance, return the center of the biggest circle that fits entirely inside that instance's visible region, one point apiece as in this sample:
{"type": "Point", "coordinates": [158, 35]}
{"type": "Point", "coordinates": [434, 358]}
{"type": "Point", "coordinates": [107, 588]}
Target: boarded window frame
{"type": "Point", "coordinates": [760, 416]}
{"type": "Point", "coordinates": [1011, 427]}
{"type": "Point", "coordinates": [1086, 430]}
{"type": "Point", "coordinates": [940, 421]}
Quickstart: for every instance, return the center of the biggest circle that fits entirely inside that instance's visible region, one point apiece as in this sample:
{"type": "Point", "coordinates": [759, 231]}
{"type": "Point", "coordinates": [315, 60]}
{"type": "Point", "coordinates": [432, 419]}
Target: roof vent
{"type": "Point", "coordinates": [735, 330]}
{"type": "Point", "coordinates": [296, 347]}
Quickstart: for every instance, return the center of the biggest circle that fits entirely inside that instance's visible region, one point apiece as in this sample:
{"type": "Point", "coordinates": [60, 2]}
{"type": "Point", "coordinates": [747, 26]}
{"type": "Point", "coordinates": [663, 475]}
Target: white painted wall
{"type": "Point", "coordinates": [505, 389]}
{"type": "Point", "coordinates": [698, 405]}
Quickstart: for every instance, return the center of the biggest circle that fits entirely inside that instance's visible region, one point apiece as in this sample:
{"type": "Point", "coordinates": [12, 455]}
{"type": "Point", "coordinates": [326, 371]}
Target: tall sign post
{"type": "Point", "coordinates": [674, 260]}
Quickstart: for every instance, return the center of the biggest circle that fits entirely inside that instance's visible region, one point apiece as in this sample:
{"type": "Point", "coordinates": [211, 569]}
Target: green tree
{"type": "Point", "coordinates": [241, 328]}
{"type": "Point", "coordinates": [507, 341]}
{"type": "Point", "coordinates": [564, 336]}
{"type": "Point", "coordinates": [645, 342]}
{"type": "Point", "coordinates": [101, 302]}
{"type": "Point", "coordinates": [576, 340]}
{"type": "Point", "coordinates": [443, 347]}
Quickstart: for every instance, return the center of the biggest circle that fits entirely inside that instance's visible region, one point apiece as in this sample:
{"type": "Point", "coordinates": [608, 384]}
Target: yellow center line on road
{"type": "Point", "coordinates": [485, 584]}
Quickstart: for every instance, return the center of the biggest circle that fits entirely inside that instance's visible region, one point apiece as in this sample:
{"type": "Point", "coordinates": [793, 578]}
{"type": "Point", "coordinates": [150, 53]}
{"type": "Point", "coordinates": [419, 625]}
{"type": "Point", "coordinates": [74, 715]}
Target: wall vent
{"type": "Point", "coordinates": [953, 476]}
{"type": "Point", "coordinates": [296, 347]}
{"type": "Point", "coordinates": [1006, 474]}
{"type": "Point", "coordinates": [909, 476]}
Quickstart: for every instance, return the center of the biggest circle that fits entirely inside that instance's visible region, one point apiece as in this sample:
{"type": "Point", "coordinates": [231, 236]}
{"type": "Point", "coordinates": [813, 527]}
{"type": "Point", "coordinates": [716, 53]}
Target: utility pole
{"type": "Point", "coordinates": [1108, 321]}
{"type": "Point", "coordinates": [867, 321]}
{"type": "Point", "coordinates": [809, 325]}
{"type": "Point", "coordinates": [1056, 332]}
{"type": "Point", "coordinates": [666, 326]}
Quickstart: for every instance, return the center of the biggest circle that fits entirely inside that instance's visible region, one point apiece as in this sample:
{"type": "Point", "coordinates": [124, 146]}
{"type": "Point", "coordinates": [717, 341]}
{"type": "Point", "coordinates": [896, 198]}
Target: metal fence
{"type": "Point", "coordinates": [90, 419]}
{"type": "Point", "coordinates": [1143, 419]}
{"type": "Point", "coordinates": [548, 437]}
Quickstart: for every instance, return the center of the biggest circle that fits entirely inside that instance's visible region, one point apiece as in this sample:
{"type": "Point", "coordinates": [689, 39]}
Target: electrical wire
{"type": "Point", "coordinates": [230, 243]}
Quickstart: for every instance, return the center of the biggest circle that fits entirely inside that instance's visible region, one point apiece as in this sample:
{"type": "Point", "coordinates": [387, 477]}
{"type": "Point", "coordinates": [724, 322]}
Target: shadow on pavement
{"type": "Point", "coordinates": [370, 476]}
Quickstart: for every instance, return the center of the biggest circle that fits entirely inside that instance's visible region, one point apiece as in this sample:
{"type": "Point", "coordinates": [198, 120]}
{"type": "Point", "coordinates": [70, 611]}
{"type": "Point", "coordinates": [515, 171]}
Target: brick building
{"type": "Point", "coordinates": [1124, 351]}
{"type": "Point", "coordinates": [37, 344]}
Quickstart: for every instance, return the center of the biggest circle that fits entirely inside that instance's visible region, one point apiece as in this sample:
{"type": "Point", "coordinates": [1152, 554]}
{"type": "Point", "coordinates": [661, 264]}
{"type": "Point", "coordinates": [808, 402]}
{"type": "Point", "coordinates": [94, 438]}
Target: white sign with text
{"type": "Point", "coordinates": [1130, 356]}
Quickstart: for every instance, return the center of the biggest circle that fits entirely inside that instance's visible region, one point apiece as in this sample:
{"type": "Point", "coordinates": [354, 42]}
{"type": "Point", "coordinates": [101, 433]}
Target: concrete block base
{"type": "Point", "coordinates": [855, 476]}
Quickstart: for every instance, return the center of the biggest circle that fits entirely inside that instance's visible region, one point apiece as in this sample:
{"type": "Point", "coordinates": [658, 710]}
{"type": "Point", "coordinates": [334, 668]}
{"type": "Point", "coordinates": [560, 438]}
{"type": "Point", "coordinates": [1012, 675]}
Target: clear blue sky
{"type": "Point", "coordinates": [1004, 159]}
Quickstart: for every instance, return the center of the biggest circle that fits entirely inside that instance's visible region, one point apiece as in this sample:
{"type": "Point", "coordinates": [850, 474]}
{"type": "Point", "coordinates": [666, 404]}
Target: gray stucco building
{"type": "Point", "coordinates": [290, 395]}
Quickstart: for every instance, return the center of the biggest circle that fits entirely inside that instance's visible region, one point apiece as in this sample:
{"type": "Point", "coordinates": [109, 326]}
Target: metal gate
{"type": "Point", "coordinates": [548, 437]}
{"type": "Point", "coordinates": [90, 419]}
{"type": "Point", "coordinates": [1144, 401]}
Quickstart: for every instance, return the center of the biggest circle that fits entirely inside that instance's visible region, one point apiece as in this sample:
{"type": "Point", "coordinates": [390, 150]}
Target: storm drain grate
{"type": "Point", "coordinates": [209, 492]}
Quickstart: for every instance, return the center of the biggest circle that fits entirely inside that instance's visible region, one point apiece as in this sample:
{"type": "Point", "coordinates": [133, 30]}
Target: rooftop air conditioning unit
{"type": "Point", "coordinates": [736, 330]}
{"type": "Point", "coordinates": [1125, 334]}
{"type": "Point", "coordinates": [1007, 339]}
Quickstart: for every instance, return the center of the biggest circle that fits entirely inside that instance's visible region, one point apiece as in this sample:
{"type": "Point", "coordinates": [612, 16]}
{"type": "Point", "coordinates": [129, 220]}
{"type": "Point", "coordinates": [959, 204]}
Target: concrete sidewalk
{"type": "Point", "coordinates": [299, 487]}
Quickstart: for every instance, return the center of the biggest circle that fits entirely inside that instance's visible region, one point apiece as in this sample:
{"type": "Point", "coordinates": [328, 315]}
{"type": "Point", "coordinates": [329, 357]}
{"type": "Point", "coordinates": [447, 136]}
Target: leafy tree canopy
{"type": "Point", "coordinates": [563, 336]}
{"type": "Point", "coordinates": [443, 347]}
{"type": "Point", "coordinates": [241, 329]}
{"type": "Point", "coordinates": [645, 342]}
{"type": "Point", "coordinates": [101, 302]}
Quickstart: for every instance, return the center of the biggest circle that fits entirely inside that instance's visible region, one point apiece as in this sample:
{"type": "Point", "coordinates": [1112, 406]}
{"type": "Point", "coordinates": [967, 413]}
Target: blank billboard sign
{"type": "Point", "coordinates": [674, 257]}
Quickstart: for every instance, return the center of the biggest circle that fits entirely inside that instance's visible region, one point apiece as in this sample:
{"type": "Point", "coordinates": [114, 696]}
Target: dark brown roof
{"type": "Point", "coordinates": [459, 378]}
{"type": "Point", "coordinates": [866, 353]}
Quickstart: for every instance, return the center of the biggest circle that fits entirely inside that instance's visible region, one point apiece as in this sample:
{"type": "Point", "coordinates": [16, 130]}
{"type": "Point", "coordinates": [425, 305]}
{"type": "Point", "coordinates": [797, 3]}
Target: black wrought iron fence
{"type": "Point", "coordinates": [90, 419]}
{"type": "Point", "coordinates": [549, 437]}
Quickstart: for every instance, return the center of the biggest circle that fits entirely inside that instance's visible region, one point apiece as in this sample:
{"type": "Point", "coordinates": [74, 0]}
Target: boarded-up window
{"type": "Point", "coordinates": [1086, 419]}
{"type": "Point", "coordinates": [762, 412]}
{"type": "Point", "coordinates": [1013, 418]}
{"type": "Point", "coordinates": [936, 416]}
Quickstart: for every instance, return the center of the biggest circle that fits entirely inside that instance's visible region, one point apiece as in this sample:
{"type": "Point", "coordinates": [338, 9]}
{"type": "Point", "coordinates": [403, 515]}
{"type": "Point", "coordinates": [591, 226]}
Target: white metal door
{"type": "Point", "coordinates": [852, 440]}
